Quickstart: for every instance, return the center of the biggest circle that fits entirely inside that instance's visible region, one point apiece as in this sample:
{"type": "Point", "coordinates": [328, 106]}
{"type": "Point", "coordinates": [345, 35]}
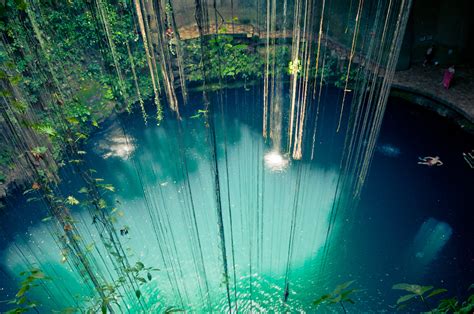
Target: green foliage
{"type": "Point", "coordinates": [416, 292]}
{"type": "Point", "coordinates": [342, 77]}
{"type": "Point", "coordinates": [423, 293]}
{"type": "Point", "coordinates": [228, 59]}
{"type": "Point", "coordinates": [294, 67]}
{"type": "Point", "coordinates": [139, 272]}
{"type": "Point", "coordinates": [6, 163]}
{"type": "Point", "coordinates": [173, 309]}
{"type": "Point", "coordinates": [339, 295]}
{"type": "Point", "coordinates": [454, 305]}
{"type": "Point", "coordinates": [46, 129]}
{"type": "Point", "coordinates": [76, 113]}
{"type": "Point", "coordinates": [39, 150]}
{"type": "Point", "coordinates": [22, 302]}
{"type": "Point", "coordinates": [71, 200]}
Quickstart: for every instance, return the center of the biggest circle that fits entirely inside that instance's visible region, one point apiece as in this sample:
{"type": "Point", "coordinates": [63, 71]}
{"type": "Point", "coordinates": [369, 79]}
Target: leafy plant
{"type": "Point", "coordinates": [420, 293]}
{"type": "Point", "coordinates": [416, 292]}
{"type": "Point", "coordinates": [294, 67]}
{"type": "Point", "coordinates": [339, 295]}
{"type": "Point", "coordinates": [22, 302]}
{"type": "Point", "coordinates": [139, 272]}
{"type": "Point", "coordinates": [227, 59]}
{"type": "Point", "coordinates": [173, 309]}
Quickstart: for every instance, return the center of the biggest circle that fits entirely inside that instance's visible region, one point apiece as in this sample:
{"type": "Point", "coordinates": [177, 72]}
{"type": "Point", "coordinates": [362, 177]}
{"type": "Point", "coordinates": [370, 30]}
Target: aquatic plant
{"type": "Point", "coordinates": [339, 295]}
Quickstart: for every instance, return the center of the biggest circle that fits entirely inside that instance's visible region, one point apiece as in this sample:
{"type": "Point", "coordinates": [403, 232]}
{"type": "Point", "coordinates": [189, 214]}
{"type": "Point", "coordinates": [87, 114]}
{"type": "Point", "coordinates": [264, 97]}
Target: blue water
{"type": "Point", "coordinates": [410, 226]}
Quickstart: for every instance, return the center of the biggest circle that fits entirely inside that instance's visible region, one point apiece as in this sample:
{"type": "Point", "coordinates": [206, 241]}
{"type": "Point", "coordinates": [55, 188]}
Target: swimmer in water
{"type": "Point", "coordinates": [287, 293]}
{"type": "Point", "coordinates": [430, 161]}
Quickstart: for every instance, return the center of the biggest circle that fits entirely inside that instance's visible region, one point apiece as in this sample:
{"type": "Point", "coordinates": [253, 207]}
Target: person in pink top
{"type": "Point", "coordinates": [448, 76]}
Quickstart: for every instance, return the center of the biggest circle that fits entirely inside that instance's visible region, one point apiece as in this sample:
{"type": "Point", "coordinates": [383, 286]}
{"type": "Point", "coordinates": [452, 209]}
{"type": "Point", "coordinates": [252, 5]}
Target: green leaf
{"type": "Point", "coordinates": [90, 247]}
{"type": "Point", "coordinates": [417, 289]}
{"type": "Point", "coordinates": [21, 300]}
{"type": "Point", "coordinates": [436, 292]}
{"type": "Point", "coordinates": [37, 274]}
{"type": "Point", "coordinates": [71, 200]}
{"type": "Point", "coordinates": [16, 311]}
{"type": "Point", "coordinates": [22, 290]}
{"type": "Point", "coordinates": [343, 286]}
{"type": "Point", "coordinates": [48, 130]}
{"type": "Point", "coordinates": [109, 187]}
{"type": "Point", "coordinates": [139, 265]}
{"type": "Point", "coordinates": [321, 299]}
{"type": "Point", "coordinates": [40, 150]}
{"type": "Point", "coordinates": [138, 294]}
{"type": "Point", "coordinates": [73, 120]}
{"type": "Point", "coordinates": [173, 309]}
{"type": "Point", "coordinates": [102, 204]}
{"type": "Point", "coordinates": [448, 304]}
{"type": "Point", "coordinates": [104, 308]}
{"type": "Point", "coordinates": [141, 279]}
{"type": "Point", "coordinates": [83, 190]}
{"type": "Point", "coordinates": [335, 300]}
{"type": "Point", "coordinates": [148, 275]}
{"type": "Point", "coordinates": [346, 293]}
{"type": "Point", "coordinates": [401, 306]}
{"type": "Point", "coordinates": [406, 298]}
{"type": "Point", "coordinates": [424, 289]}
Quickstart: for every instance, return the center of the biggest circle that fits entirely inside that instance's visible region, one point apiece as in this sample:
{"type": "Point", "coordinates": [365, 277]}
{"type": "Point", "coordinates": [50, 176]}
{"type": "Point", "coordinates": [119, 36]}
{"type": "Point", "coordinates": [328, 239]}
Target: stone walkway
{"type": "Point", "coordinates": [427, 82]}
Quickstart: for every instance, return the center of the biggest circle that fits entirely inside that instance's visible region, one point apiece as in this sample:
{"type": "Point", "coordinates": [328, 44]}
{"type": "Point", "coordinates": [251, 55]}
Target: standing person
{"type": "Point", "coordinates": [448, 76]}
{"type": "Point", "coordinates": [428, 56]}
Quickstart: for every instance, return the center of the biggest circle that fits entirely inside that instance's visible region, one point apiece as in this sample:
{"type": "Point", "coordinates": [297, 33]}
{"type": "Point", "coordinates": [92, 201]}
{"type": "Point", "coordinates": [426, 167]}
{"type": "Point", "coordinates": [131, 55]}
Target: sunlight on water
{"type": "Point", "coordinates": [168, 238]}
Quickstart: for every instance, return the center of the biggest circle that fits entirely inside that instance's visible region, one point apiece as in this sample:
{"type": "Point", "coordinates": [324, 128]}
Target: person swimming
{"type": "Point", "coordinates": [430, 161]}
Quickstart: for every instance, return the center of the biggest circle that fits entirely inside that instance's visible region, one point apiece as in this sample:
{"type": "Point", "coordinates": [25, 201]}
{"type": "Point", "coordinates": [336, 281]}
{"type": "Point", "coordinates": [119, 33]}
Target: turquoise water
{"type": "Point", "coordinates": [276, 215]}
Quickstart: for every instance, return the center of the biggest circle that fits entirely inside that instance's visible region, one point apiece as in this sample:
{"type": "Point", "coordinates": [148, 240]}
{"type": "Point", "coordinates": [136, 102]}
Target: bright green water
{"type": "Point", "coordinates": [269, 197]}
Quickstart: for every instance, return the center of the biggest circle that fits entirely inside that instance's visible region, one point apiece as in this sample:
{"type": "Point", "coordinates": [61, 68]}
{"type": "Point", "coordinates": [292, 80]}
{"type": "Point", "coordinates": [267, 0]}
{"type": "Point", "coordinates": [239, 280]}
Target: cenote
{"type": "Point", "coordinates": [212, 156]}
